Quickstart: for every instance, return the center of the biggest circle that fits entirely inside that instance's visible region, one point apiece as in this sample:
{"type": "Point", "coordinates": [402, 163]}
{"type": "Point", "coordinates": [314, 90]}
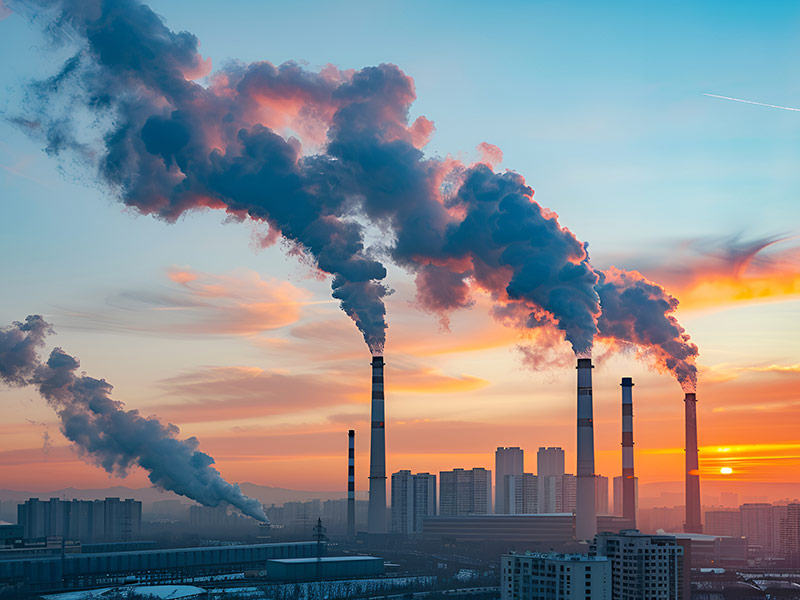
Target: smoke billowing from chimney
{"type": "Point", "coordinates": [317, 156]}
{"type": "Point", "coordinates": [104, 432]}
{"type": "Point", "coordinates": [638, 312]}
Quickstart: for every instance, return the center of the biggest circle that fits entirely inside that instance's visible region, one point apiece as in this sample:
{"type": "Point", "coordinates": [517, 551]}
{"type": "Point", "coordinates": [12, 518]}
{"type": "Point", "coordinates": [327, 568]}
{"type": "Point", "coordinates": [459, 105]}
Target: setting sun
{"type": "Point", "coordinates": [726, 470]}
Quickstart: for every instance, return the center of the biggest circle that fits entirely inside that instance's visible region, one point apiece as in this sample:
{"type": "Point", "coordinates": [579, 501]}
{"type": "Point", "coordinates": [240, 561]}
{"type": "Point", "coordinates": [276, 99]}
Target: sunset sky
{"type": "Point", "coordinates": [601, 109]}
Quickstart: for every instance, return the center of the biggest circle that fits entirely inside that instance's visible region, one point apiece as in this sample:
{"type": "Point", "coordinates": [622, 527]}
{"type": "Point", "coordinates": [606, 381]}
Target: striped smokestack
{"type": "Point", "coordinates": [351, 484]}
{"type": "Point", "coordinates": [628, 481]}
{"type": "Point", "coordinates": [585, 508]}
{"type": "Point", "coordinates": [376, 520]}
{"type": "Point", "coordinates": [692, 524]}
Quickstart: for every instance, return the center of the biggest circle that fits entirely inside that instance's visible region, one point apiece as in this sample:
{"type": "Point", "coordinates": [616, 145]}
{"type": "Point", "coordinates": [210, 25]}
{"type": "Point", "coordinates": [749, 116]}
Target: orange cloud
{"type": "Point", "coordinates": [707, 273]}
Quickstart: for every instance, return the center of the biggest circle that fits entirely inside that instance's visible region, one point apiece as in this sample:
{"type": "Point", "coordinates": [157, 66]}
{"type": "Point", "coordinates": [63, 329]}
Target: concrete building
{"type": "Point", "coordinates": [788, 520]}
{"type": "Point", "coordinates": [463, 492]}
{"type": "Point", "coordinates": [521, 494]}
{"type": "Point", "coordinates": [556, 493]}
{"type": "Point", "coordinates": [643, 566]}
{"type": "Point", "coordinates": [413, 499]}
{"type": "Point", "coordinates": [507, 461]}
{"type": "Point", "coordinates": [325, 567]}
{"type": "Point", "coordinates": [758, 526]}
{"type": "Point", "coordinates": [550, 461]}
{"type": "Point", "coordinates": [540, 576]}
{"type": "Point", "coordinates": [108, 520]}
{"type": "Point", "coordinates": [77, 571]}
{"type": "Point", "coordinates": [618, 494]}
{"type": "Point", "coordinates": [601, 494]}
{"type": "Point", "coordinates": [723, 522]}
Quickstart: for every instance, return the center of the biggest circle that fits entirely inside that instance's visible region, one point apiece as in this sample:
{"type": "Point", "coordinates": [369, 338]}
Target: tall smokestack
{"type": "Point", "coordinates": [376, 521]}
{"type": "Point", "coordinates": [585, 508]}
{"type": "Point", "coordinates": [351, 484]}
{"type": "Point", "coordinates": [628, 481]}
{"type": "Point", "coordinates": [692, 524]}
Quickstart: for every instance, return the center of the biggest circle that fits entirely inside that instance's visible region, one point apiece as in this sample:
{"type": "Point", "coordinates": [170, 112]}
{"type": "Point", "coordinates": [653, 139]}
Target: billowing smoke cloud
{"type": "Point", "coordinates": [104, 432]}
{"type": "Point", "coordinates": [637, 311]}
{"type": "Point", "coordinates": [316, 155]}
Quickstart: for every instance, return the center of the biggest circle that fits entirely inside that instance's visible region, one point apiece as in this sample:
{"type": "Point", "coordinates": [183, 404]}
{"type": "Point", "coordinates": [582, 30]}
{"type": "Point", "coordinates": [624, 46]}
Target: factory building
{"type": "Point", "coordinates": [78, 571]}
{"type": "Point", "coordinates": [550, 576]}
{"type": "Point", "coordinates": [463, 492]}
{"type": "Point", "coordinates": [544, 528]}
{"type": "Point", "coordinates": [323, 568]}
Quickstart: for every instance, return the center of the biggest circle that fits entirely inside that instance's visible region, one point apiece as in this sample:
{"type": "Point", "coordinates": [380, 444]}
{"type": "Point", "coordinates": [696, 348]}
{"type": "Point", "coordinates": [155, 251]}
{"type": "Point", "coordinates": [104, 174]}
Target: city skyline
{"type": "Point", "coordinates": [241, 345]}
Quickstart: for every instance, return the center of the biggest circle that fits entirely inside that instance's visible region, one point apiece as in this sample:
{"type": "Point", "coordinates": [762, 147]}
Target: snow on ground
{"type": "Point", "coordinates": [161, 592]}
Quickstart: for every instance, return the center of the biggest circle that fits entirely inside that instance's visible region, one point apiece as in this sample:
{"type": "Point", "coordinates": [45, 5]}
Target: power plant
{"type": "Point", "coordinates": [585, 506]}
{"type": "Point", "coordinates": [586, 519]}
{"type": "Point", "coordinates": [376, 517]}
{"type": "Point", "coordinates": [351, 484]}
{"type": "Point", "coordinates": [628, 481]}
{"type": "Point", "coordinates": [692, 523]}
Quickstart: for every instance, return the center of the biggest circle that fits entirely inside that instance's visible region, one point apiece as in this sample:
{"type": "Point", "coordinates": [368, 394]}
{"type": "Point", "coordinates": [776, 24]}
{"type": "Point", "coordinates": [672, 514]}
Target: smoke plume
{"type": "Point", "coordinates": [104, 432]}
{"type": "Point", "coordinates": [637, 312]}
{"type": "Point", "coordinates": [318, 156]}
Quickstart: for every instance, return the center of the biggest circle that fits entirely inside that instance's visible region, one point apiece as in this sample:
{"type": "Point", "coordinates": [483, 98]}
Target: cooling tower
{"type": "Point", "coordinates": [351, 484]}
{"type": "Point", "coordinates": [376, 520]}
{"type": "Point", "coordinates": [692, 523]}
{"type": "Point", "coordinates": [628, 481]}
{"type": "Point", "coordinates": [585, 509]}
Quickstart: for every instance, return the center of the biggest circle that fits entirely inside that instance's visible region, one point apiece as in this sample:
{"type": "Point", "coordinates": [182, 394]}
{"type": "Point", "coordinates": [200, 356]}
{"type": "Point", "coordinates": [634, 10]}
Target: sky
{"type": "Point", "coordinates": [600, 107]}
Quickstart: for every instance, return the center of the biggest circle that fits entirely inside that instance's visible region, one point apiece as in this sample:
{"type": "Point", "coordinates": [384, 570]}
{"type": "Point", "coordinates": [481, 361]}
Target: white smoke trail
{"type": "Point", "coordinates": [752, 102]}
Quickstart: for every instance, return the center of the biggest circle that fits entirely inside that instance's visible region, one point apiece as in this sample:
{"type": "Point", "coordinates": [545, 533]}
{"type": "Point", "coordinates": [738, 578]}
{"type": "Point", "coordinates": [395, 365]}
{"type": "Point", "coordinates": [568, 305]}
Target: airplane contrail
{"type": "Point", "coordinates": [752, 102]}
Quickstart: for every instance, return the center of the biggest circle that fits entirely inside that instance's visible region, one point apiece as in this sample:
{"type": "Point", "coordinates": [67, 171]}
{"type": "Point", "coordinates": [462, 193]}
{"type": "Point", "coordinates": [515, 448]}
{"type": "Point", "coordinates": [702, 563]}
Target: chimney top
{"type": "Point", "coordinates": [691, 396]}
{"type": "Point", "coordinates": [585, 363]}
{"type": "Point", "coordinates": [351, 433]}
{"type": "Point", "coordinates": [627, 382]}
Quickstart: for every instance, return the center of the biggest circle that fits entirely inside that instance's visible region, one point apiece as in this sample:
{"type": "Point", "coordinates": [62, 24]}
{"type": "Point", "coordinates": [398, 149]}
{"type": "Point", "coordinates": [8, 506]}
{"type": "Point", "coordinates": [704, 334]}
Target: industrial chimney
{"type": "Point", "coordinates": [628, 481]}
{"type": "Point", "coordinates": [351, 484]}
{"type": "Point", "coordinates": [692, 524]}
{"type": "Point", "coordinates": [585, 507]}
{"type": "Point", "coordinates": [376, 520]}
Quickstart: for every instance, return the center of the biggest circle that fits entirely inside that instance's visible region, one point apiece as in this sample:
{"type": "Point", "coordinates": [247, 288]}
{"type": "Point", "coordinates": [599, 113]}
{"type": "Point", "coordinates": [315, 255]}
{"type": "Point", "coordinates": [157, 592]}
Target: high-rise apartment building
{"type": "Point", "coordinates": [507, 461]}
{"type": "Point", "coordinates": [617, 485]}
{"type": "Point", "coordinates": [111, 519]}
{"type": "Point", "coordinates": [789, 533]}
{"type": "Point", "coordinates": [463, 492]}
{"type": "Point", "coordinates": [413, 499]}
{"type": "Point", "coordinates": [723, 522]}
{"type": "Point", "coordinates": [758, 526]}
{"type": "Point", "coordinates": [550, 461]}
{"type": "Point", "coordinates": [521, 494]}
{"type": "Point", "coordinates": [538, 576]}
{"type": "Point", "coordinates": [642, 566]}
{"type": "Point", "coordinates": [601, 494]}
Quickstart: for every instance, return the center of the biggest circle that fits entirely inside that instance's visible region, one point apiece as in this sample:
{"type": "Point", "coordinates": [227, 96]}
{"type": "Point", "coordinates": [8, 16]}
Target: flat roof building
{"type": "Point", "coordinates": [550, 576]}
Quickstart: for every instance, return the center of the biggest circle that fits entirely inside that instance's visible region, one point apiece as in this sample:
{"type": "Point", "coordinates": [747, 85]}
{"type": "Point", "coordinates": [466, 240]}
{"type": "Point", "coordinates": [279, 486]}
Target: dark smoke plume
{"type": "Point", "coordinates": [637, 311]}
{"type": "Point", "coordinates": [104, 432]}
{"type": "Point", "coordinates": [316, 155]}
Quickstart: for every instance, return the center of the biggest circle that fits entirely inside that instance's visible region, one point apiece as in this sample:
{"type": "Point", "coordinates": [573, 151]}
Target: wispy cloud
{"type": "Point", "coordinates": [752, 102]}
{"type": "Point", "coordinates": [197, 303]}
